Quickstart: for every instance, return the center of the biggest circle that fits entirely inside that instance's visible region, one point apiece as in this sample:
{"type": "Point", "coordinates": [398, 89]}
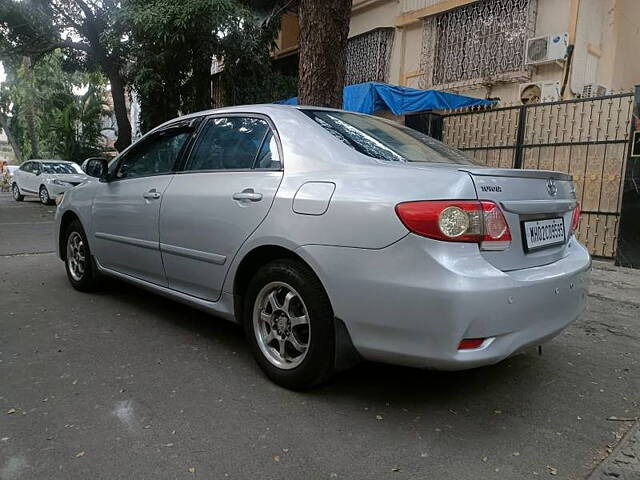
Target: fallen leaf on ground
{"type": "Point", "coordinates": [395, 469]}
{"type": "Point", "coordinates": [552, 470]}
{"type": "Point", "coordinates": [516, 454]}
{"type": "Point", "coordinates": [378, 417]}
{"type": "Point", "coordinates": [191, 470]}
{"type": "Point", "coordinates": [484, 459]}
{"type": "Point", "coordinates": [11, 411]}
{"type": "Point", "coordinates": [276, 458]}
{"type": "Point", "coordinates": [79, 454]}
{"type": "Point", "coordinates": [621, 419]}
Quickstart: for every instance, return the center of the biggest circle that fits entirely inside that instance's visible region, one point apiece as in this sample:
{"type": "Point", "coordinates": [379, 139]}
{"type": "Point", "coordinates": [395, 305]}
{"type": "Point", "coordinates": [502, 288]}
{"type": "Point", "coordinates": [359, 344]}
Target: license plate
{"type": "Point", "coordinates": [544, 233]}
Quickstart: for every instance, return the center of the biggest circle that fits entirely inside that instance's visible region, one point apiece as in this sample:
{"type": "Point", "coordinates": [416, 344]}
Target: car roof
{"type": "Point", "coordinates": [260, 108]}
{"type": "Point", "coordinates": [50, 160]}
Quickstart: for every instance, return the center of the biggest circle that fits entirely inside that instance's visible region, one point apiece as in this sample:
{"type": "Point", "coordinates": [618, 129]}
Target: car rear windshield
{"type": "Point", "coordinates": [385, 140]}
{"type": "Point", "coordinates": [55, 167]}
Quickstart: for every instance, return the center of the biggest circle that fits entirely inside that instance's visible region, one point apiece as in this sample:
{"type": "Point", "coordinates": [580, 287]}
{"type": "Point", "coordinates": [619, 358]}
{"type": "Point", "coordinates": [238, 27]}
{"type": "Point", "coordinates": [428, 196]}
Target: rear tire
{"type": "Point", "coordinates": [289, 323]}
{"type": "Point", "coordinates": [43, 194]}
{"type": "Point", "coordinates": [17, 196]}
{"type": "Point", "coordinates": [79, 264]}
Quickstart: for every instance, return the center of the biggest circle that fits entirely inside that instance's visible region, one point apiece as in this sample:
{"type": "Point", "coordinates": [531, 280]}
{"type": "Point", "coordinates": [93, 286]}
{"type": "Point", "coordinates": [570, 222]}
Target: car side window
{"type": "Point", "coordinates": [228, 143]}
{"type": "Point", "coordinates": [155, 156]}
{"type": "Point", "coordinates": [268, 157]}
{"type": "Point", "coordinates": [26, 167]}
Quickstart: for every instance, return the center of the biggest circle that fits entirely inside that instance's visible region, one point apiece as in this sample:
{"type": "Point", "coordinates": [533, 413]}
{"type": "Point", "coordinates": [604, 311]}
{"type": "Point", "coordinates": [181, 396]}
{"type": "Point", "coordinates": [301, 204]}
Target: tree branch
{"type": "Point", "coordinates": [86, 9]}
{"type": "Point", "coordinates": [67, 16]}
{"type": "Point", "coordinates": [66, 43]}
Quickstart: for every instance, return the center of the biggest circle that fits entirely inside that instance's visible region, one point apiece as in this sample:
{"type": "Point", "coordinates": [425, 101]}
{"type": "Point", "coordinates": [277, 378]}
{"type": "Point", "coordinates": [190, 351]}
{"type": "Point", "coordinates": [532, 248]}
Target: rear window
{"type": "Point", "coordinates": [385, 140]}
{"type": "Point", "coordinates": [60, 168]}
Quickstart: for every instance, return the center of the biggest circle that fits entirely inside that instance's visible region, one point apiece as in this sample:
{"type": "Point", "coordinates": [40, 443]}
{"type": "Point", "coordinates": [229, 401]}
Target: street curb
{"type": "Point", "coordinates": [624, 461]}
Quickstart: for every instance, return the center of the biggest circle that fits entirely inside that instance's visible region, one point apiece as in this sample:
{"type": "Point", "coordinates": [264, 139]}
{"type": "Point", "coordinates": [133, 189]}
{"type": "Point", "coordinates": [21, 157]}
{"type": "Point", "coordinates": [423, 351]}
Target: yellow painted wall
{"type": "Point", "coordinates": [626, 65]}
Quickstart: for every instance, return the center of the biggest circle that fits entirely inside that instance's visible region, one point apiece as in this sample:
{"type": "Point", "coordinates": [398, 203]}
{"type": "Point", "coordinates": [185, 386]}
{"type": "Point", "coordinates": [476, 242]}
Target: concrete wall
{"type": "Point", "coordinates": [6, 152]}
{"type": "Point", "coordinates": [626, 25]}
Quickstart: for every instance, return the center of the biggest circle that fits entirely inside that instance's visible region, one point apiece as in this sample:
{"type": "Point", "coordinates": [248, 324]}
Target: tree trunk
{"type": "Point", "coordinates": [4, 123]}
{"type": "Point", "coordinates": [120, 108]}
{"type": "Point", "coordinates": [202, 85]}
{"type": "Point", "coordinates": [31, 108]}
{"type": "Point", "coordinates": [324, 28]}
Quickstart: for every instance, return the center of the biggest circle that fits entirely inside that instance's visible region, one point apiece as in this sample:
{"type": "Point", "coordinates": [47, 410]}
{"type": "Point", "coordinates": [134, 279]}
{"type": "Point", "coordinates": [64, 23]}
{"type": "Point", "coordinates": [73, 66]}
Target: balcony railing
{"type": "Point", "coordinates": [410, 5]}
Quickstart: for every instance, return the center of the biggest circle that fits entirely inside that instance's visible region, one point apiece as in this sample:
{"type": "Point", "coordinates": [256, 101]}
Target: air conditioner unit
{"type": "Point", "coordinates": [547, 49]}
{"type": "Point", "coordinates": [593, 90]}
{"type": "Point", "coordinates": [537, 92]}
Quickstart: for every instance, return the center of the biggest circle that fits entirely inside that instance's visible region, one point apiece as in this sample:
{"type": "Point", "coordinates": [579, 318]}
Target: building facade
{"type": "Point", "coordinates": [6, 152]}
{"type": "Point", "coordinates": [513, 50]}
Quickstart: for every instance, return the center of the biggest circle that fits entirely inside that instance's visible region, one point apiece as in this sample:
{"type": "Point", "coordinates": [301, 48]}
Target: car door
{"type": "Point", "coordinates": [127, 206]}
{"type": "Point", "coordinates": [20, 175]}
{"type": "Point", "coordinates": [219, 197]}
{"type": "Point", "coordinates": [36, 179]}
{"type": "Point", "coordinates": [27, 178]}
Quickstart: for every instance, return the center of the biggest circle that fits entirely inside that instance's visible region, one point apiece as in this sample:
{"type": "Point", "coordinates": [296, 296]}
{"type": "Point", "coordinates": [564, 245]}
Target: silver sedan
{"type": "Point", "coordinates": [333, 237]}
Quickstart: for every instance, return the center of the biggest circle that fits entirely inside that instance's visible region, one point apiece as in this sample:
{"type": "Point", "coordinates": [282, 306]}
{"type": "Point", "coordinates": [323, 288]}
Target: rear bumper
{"type": "Point", "coordinates": [414, 301]}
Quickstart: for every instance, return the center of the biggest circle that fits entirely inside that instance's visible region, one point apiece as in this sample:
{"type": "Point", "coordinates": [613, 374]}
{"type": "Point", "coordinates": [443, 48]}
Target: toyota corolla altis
{"type": "Point", "coordinates": [333, 236]}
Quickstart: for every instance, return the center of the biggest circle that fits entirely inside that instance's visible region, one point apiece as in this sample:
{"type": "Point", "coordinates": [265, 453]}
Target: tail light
{"type": "Point", "coordinates": [575, 218]}
{"type": "Point", "coordinates": [471, 343]}
{"type": "Point", "coordinates": [468, 221]}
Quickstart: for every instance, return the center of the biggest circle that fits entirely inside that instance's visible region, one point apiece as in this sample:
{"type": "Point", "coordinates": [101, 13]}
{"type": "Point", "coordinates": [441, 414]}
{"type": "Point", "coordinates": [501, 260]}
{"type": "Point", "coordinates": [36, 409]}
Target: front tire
{"type": "Point", "coordinates": [17, 196]}
{"type": "Point", "coordinates": [45, 199]}
{"type": "Point", "coordinates": [290, 326]}
{"type": "Point", "coordinates": [79, 264]}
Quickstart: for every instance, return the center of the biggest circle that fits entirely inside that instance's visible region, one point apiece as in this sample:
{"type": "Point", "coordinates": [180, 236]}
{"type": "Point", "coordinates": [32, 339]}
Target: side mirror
{"type": "Point", "coordinates": [97, 167]}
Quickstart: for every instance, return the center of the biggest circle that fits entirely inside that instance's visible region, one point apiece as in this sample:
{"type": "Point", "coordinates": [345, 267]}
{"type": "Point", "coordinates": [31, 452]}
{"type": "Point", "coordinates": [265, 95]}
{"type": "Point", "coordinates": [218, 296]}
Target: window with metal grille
{"type": "Point", "coordinates": [368, 56]}
{"type": "Point", "coordinates": [481, 41]}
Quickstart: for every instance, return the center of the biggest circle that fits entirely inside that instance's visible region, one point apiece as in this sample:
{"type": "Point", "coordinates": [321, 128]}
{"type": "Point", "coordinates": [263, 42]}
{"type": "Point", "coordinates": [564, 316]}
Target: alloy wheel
{"type": "Point", "coordinates": [76, 258]}
{"type": "Point", "coordinates": [281, 325]}
{"type": "Point", "coordinates": [16, 192]}
{"type": "Point", "coordinates": [44, 196]}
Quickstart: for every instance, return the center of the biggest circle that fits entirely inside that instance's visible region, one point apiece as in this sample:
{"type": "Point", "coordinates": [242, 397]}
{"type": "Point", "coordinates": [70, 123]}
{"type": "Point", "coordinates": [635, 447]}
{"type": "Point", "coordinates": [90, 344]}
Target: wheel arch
{"type": "Point", "coordinates": [249, 265]}
{"type": "Point", "coordinates": [346, 354]}
{"type": "Point", "coordinates": [67, 217]}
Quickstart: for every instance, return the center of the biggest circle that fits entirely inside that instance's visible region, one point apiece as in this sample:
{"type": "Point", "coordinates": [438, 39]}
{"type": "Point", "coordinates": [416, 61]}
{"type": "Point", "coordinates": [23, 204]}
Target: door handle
{"type": "Point", "coordinates": [151, 194]}
{"type": "Point", "coordinates": [247, 194]}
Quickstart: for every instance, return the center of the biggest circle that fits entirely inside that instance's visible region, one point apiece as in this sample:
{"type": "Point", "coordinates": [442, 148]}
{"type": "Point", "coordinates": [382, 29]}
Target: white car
{"type": "Point", "coordinates": [45, 179]}
{"type": "Point", "coordinates": [12, 170]}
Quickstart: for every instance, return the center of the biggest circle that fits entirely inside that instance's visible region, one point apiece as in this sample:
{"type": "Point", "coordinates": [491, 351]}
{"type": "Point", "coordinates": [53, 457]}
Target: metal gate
{"type": "Point", "coordinates": [587, 138]}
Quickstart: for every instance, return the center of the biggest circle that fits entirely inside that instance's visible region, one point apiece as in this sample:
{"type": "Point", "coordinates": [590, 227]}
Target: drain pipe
{"type": "Point", "coordinates": [574, 11]}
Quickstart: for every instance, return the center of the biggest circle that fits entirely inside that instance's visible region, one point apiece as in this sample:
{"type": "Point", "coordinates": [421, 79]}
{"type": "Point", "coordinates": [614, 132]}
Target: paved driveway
{"type": "Point", "coordinates": [125, 384]}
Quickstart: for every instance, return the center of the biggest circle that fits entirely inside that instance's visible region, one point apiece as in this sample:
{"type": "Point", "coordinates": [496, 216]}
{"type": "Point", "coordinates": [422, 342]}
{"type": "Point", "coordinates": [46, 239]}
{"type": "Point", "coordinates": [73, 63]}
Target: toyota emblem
{"type": "Point", "coordinates": [552, 188]}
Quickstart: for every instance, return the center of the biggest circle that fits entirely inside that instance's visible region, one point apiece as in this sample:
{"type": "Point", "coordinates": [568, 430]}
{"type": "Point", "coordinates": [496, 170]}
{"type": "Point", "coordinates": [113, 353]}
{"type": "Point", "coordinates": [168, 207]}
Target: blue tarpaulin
{"type": "Point", "coordinates": [372, 97]}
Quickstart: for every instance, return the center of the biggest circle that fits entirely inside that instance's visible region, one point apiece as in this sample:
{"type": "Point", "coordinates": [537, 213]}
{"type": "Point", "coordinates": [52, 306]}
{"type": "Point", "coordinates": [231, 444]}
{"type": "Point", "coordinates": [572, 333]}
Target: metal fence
{"type": "Point", "coordinates": [586, 138]}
